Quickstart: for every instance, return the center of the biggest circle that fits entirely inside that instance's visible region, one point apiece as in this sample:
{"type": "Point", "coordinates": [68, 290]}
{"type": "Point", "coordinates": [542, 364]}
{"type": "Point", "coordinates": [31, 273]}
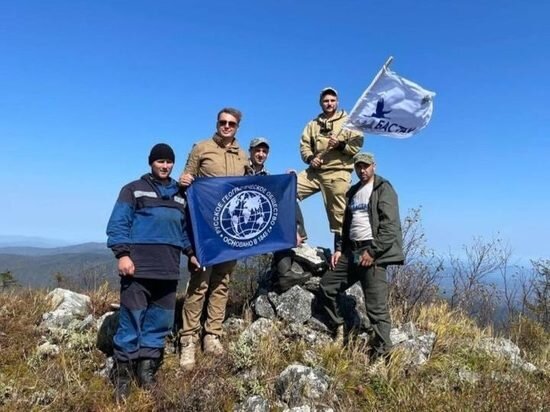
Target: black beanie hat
{"type": "Point", "coordinates": [161, 151]}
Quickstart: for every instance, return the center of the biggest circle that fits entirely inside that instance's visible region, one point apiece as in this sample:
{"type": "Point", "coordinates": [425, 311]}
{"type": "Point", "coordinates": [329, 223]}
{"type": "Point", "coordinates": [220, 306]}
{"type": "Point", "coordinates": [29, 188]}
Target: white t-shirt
{"type": "Point", "coordinates": [360, 224]}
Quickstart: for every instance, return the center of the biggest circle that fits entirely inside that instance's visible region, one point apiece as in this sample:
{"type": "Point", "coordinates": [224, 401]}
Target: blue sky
{"type": "Point", "coordinates": [87, 87]}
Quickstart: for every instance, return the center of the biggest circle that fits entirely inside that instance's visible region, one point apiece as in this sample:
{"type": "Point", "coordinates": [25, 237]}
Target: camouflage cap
{"type": "Point", "coordinates": [328, 90]}
{"type": "Point", "coordinates": [258, 141]}
{"type": "Point", "coordinates": [363, 157]}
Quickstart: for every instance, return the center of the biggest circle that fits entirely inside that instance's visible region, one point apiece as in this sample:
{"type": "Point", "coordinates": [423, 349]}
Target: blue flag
{"type": "Point", "coordinates": [236, 217]}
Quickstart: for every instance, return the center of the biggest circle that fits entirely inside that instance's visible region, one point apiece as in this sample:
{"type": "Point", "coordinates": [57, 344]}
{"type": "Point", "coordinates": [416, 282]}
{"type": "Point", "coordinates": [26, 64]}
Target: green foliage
{"type": "Point", "coordinates": [539, 299]}
{"type": "Point", "coordinates": [7, 280]}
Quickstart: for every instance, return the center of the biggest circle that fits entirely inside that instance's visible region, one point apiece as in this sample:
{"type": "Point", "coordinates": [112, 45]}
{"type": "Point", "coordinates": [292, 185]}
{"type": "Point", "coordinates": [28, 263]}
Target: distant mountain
{"type": "Point", "coordinates": [40, 270]}
{"type": "Point", "coordinates": [32, 241]}
{"type": "Point", "coordinates": [90, 247]}
{"type": "Point", "coordinates": [85, 264]}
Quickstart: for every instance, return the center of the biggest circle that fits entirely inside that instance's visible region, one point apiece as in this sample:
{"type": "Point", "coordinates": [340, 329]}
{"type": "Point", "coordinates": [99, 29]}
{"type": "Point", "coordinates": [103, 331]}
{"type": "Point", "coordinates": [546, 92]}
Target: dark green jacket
{"type": "Point", "coordinates": [387, 243]}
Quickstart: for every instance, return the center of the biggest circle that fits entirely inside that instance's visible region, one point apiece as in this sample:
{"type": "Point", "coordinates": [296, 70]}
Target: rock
{"type": "Point", "coordinates": [506, 349]}
{"type": "Point", "coordinates": [298, 331]}
{"type": "Point", "coordinates": [410, 330]}
{"type": "Point", "coordinates": [253, 404]}
{"type": "Point", "coordinates": [273, 298]}
{"type": "Point", "coordinates": [397, 336]}
{"type": "Point", "coordinates": [58, 319]}
{"type": "Point", "coordinates": [304, 408]}
{"type": "Point", "coordinates": [318, 325]}
{"type": "Point", "coordinates": [68, 306]}
{"type": "Point", "coordinates": [47, 350]}
{"type": "Point", "coordinates": [106, 368]}
{"type": "Point", "coordinates": [257, 329]}
{"type": "Point", "coordinates": [263, 307]}
{"type": "Point", "coordinates": [72, 302]}
{"type": "Point", "coordinates": [300, 385]}
{"type": "Point", "coordinates": [419, 349]}
{"type": "Point", "coordinates": [312, 284]}
{"type": "Point", "coordinates": [295, 305]}
{"type": "Point", "coordinates": [354, 312]}
{"type": "Point", "coordinates": [85, 324]}
{"type": "Point", "coordinates": [108, 325]}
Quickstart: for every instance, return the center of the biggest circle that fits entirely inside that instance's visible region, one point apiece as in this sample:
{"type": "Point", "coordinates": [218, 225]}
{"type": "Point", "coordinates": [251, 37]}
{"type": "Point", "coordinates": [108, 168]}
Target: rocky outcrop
{"type": "Point", "coordinates": [300, 385]}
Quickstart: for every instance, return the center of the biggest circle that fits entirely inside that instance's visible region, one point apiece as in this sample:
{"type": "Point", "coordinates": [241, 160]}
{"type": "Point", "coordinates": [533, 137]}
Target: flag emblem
{"type": "Point", "coordinates": [248, 214]}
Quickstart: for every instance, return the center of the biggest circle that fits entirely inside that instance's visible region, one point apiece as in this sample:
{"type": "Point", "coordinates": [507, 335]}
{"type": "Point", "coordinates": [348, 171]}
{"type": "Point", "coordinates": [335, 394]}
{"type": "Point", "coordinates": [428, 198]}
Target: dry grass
{"type": "Point", "coordinates": [69, 381]}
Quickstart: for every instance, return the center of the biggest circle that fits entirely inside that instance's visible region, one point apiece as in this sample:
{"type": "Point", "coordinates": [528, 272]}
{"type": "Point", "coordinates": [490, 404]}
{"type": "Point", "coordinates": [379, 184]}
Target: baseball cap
{"type": "Point", "coordinates": [363, 157]}
{"type": "Point", "coordinates": [328, 90]}
{"type": "Point", "coordinates": [258, 141]}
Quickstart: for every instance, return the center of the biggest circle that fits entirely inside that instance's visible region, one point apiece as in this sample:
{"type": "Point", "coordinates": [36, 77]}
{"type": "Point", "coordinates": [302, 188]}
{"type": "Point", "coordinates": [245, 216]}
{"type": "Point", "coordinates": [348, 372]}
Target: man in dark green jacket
{"type": "Point", "coordinates": [371, 240]}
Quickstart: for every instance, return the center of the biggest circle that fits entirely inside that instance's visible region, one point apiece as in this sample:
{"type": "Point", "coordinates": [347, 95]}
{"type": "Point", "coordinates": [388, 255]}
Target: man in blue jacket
{"type": "Point", "coordinates": [147, 232]}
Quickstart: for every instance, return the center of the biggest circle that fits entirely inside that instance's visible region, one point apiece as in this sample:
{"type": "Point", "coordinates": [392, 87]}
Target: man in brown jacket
{"type": "Point", "coordinates": [220, 155]}
{"type": "Point", "coordinates": [328, 150]}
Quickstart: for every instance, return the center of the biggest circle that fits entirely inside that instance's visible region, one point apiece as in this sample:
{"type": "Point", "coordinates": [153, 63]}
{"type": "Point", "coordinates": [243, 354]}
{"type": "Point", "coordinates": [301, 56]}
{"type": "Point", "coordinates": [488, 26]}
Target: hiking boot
{"type": "Point", "coordinates": [146, 370]}
{"type": "Point", "coordinates": [121, 378]}
{"type": "Point", "coordinates": [212, 345]}
{"type": "Point", "coordinates": [339, 336]}
{"type": "Point", "coordinates": [187, 354]}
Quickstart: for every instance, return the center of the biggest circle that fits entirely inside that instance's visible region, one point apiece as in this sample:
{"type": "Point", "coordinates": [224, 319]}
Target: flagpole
{"type": "Point", "coordinates": [376, 78]}
{"type": "Point", "coordinates": [386, 65]}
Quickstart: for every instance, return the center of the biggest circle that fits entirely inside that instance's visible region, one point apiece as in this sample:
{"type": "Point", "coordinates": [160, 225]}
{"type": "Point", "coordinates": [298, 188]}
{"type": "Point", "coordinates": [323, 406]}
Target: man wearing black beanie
{"type": "Point", "coordinates": [147, 233]}
{"type": "Point", "coordinates": [161, 151]}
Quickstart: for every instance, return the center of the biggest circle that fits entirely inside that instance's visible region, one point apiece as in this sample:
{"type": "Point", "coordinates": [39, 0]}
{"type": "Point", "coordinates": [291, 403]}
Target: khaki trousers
{"type": "Point", "coordinates": [214, 281]}
{"type": "Point", "coordinates": [333, 185]}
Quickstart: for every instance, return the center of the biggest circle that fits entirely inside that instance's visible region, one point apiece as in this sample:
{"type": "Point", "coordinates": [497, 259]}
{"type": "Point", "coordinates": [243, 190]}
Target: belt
{"type": "Point", "coordinates": [359, 244]}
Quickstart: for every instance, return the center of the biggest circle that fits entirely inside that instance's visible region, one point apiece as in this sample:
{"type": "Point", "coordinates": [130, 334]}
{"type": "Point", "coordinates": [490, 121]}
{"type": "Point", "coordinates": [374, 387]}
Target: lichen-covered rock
{"type": "Point", "coordinates": [253, 404]}
{"type": "Point", "coordinates": [300, 385]}
{"type": "Point", "coordinates": [506, 349]}
{"type": "Point", "coordinates": [295, 305]}
{"type": "Point", "coordinates": [263, 307]}
{"type": "Point", "coordinates": [257, 329]}
{"type": "Point", "coordinates": [67, 307]}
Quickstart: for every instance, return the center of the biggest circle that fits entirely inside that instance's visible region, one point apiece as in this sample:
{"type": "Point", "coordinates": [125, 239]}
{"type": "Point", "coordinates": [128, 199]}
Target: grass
{"type": "Point", "coordinates": [69, 381]}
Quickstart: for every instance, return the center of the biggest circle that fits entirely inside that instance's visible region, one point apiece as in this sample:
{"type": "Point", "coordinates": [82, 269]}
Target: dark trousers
{"type": "Point", "coordinates": [146, 317]}
{"type": "Point", "coordinates": [375, 288]}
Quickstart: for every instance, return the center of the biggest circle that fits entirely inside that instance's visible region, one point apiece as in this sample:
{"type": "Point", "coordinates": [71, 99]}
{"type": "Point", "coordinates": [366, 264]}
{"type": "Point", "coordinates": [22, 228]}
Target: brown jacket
{"type": "Point", "coordinates": [315, 139]}
{"type": "Point", "coordinates": [209, 158]}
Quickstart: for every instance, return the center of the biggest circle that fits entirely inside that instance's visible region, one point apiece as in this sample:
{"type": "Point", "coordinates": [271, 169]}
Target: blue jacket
{"type": "Point", "coordinates": [149, 213]}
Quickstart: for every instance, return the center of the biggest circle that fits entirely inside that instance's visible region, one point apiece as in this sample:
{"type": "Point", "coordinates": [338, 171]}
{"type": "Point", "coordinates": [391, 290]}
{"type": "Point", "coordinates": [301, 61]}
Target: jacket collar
{"type": "Point", "coordinates": [234, 146]}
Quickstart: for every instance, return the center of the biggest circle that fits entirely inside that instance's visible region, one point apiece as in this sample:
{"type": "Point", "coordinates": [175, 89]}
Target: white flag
{"type": "Point", "coordinates": [392, 106]}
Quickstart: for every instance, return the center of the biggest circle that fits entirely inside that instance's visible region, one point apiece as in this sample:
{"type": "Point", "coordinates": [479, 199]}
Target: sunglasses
{"type": "Point", "coordinates": [229, 123]}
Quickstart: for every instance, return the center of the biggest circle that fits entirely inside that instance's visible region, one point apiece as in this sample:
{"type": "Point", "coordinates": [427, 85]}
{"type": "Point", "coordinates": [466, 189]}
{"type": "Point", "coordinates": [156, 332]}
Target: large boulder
{"type": "Point", "coordinates": [68, 307]}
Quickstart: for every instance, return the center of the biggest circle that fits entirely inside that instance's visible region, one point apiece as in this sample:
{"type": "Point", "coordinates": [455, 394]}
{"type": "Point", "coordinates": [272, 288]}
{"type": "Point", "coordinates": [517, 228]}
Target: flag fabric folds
{"type": "Point", "coordinates": [392, 106]}
{"type": "Point", "coordinates": [236, 217]}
